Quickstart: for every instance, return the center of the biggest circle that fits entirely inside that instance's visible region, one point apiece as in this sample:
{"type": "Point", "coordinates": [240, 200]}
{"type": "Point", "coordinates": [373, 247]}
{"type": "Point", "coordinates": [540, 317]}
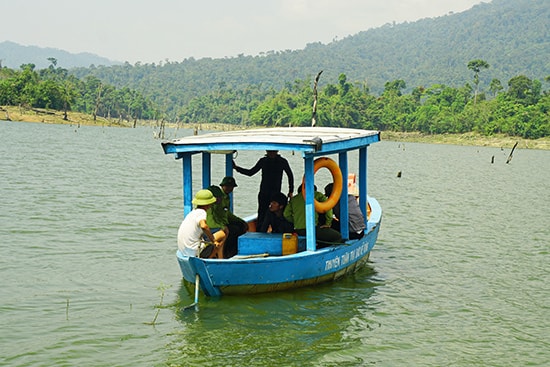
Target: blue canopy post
{"type": "Point", "coordinates": [363, 171]}
{"type": "Point", "coordinates": [229, 172]}
{"type": "Point", "coordinates": [344, 208]}
{"type": "Point", "coordinates": [206, 170]}
{"type": "Point", "coordinates": [310, 205]}
{"type": "Point", "coordinates": [187, 169]}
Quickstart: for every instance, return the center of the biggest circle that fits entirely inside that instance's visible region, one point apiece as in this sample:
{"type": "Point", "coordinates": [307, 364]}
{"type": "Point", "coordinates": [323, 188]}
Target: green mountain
{"type": "Point", "coordinates": [13, 55]}
{"type": "Point", "coordinates": [512, 36]}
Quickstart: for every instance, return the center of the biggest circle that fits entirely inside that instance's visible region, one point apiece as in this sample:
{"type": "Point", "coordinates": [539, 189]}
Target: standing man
{"type": "Point", "coordinates": [272, 166]}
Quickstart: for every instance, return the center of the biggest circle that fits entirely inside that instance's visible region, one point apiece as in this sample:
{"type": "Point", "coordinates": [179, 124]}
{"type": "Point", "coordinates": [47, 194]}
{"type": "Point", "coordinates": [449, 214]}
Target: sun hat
{"type": "Point", "coordinates": [204, 197]}
{"type": "Point", "coordinates": [228, 181]}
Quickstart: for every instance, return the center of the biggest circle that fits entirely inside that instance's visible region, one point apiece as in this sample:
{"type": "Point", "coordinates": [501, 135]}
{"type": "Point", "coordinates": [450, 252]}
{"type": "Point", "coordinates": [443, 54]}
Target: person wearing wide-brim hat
{"type": "Point", "coordinates": [194, 230]}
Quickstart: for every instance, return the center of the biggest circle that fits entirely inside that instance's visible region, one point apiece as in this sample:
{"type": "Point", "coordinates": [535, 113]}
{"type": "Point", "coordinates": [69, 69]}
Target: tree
{"type": "Point", "coordinates": [344, 86]}
{"type": "Point", "coordinates": [476, 66]}
{"type": "Point", "coordinates": [394, 87]}
{"type": "Point", "coordinates": [523, 90]}
{"type": "Point", "coordinates": [69, 94]}
{"type": "Point", "coordinates": [495, 87]}
{"type": "Point", "coordinates": [25, 85]}
{"type": "Point", "coordinates": [53, 61]}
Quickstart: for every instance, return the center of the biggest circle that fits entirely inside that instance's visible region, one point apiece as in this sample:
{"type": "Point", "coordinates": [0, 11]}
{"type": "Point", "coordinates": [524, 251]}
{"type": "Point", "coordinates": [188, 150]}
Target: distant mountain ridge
{"type": "Point", "coordinates": [13, 55]}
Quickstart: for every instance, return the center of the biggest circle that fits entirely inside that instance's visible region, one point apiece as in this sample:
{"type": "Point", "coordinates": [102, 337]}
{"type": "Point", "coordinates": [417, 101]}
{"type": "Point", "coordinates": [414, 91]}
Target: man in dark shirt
{"type": "Point", "coordinates": [272, 166]}
{"type": "Point", "coordinates": [274, 218]}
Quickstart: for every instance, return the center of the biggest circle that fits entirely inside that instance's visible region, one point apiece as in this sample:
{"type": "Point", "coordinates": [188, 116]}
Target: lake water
{"type": "Point", "coordinates": [88, 223]}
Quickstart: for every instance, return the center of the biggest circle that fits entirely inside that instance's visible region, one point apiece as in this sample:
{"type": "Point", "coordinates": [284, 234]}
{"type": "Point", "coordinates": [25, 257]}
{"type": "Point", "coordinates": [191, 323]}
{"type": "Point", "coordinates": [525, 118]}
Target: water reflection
{"type": "Point", "coordinates": [285, 328]}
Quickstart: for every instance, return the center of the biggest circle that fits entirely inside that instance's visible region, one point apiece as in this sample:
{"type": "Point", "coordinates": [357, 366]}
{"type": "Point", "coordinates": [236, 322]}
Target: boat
{"type": "Point", "coordinates": [261, 265]}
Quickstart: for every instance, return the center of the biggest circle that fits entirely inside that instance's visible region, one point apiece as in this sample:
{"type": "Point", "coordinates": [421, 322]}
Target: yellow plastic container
{"type": "Point", "coordinates": [290, 243]}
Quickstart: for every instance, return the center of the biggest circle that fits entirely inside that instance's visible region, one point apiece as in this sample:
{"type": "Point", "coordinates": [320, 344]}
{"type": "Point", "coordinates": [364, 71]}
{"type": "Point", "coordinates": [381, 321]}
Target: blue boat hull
{"type": "Point", "coordinates": [258, 274]}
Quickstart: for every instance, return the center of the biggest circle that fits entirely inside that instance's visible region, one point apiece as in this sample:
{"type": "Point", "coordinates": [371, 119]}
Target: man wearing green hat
{"type": "Point", "coordinates": [194, 229]}
{"type": "Point", "coordinates": [220, 216]}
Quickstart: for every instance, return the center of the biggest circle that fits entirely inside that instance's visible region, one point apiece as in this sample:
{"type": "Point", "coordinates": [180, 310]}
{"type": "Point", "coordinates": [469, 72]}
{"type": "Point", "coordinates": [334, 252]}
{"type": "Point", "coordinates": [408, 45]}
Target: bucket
{"type": "Point", "coordinates": [290, 243]}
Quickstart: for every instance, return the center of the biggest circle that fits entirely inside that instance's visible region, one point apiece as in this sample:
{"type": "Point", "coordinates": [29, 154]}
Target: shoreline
{"type": "Point", "coordinates": [17, 114]}
{"type": "Point", "coordinates": [468, 139]}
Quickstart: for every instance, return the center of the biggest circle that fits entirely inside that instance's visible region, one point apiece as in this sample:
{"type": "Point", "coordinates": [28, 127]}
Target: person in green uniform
{"type": "Point", "coordinates": [295, 212]}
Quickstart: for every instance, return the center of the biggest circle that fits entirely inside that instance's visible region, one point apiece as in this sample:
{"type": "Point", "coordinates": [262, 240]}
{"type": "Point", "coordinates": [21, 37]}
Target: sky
{"type": "Point", "coordinates": [153, 31]}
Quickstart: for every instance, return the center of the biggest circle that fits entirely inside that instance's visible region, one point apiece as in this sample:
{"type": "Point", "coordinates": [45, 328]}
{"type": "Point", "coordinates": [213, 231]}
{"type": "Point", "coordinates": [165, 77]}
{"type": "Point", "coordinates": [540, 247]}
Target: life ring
{"type": "Point", "coordinates": [325, 206]}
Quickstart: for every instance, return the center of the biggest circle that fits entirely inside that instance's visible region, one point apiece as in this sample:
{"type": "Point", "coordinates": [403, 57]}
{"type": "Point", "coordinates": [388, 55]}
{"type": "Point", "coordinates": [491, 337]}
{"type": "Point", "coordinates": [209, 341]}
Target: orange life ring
{"type": "Point", "coordinates": [325, 206]}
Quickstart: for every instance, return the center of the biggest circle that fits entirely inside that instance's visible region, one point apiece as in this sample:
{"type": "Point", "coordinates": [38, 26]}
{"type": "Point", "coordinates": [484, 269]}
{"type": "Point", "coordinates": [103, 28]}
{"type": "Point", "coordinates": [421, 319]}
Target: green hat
{"type": "Point", "coordinates": [228, 181]}
{"type": "Point", "coordinates": [204, 197]}
{"type": "Point", "coordinates": [216, 191]}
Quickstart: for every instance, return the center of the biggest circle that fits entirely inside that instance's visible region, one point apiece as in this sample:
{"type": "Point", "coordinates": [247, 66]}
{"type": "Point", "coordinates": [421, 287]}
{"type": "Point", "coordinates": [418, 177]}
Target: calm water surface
{"type": "Point", "coordinates": [88, 222]}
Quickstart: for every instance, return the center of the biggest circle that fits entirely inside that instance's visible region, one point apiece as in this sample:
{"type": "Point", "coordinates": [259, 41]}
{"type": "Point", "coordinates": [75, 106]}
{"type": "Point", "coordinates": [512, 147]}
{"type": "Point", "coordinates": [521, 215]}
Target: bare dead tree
{"type": "Point", "coordinates": [314, 114]}
{"type": "Point", "coordinates": [162, 127]}
{"type": "Point", "coordinates": [98, 100]}
{"type": "Point", "coordinates": [7, 114]}
{"type": "Point", "coordinates": [511, 153]}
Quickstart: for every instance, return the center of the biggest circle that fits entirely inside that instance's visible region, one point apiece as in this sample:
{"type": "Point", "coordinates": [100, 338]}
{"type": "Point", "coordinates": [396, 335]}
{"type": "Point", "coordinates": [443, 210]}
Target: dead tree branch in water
{"type": "Point", "coordinates": [511, 153]}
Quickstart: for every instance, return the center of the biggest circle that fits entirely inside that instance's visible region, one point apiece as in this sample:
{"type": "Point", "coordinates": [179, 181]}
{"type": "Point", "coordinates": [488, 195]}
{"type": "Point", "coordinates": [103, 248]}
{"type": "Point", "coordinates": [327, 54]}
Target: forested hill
{"type": "Point", "coordinates": [512, 36]}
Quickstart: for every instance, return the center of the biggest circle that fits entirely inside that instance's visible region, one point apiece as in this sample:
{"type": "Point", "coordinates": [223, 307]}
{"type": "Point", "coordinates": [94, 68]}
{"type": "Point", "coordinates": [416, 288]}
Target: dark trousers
{"type": "Point", "coordinates": [231, 246]}
{"type": "Point", "coordinates": [264, 199]}
{"type": "Point", "coordinates": [325, 236]}
{"type": "Point", "coordinates": [352, 235]}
